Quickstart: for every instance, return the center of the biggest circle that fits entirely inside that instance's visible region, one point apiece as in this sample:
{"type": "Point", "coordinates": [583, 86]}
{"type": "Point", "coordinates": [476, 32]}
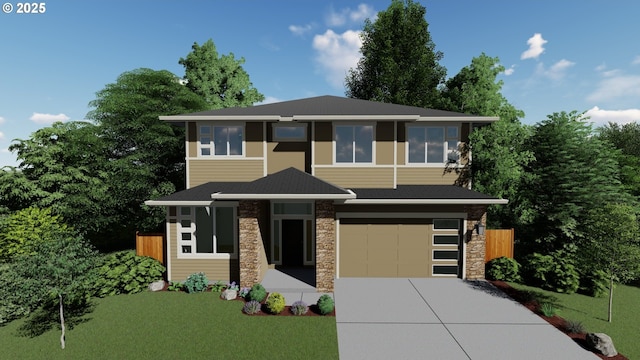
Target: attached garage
{"type": "Point", "coordinates": [410, 247]}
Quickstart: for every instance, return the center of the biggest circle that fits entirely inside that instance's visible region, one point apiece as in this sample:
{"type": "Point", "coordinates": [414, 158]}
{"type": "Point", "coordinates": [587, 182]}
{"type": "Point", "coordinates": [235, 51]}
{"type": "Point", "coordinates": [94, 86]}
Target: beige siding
{"type": "Point", "coordinates": [384, 143]}
{"type": "Point", "coordinates": [284, 155]}
{"type": "Point", "coordinates": [323, 143]}
{"type": "Point", "coordinates": [192, 139]}
{"type": "Point", "coordinates": [397, 208]}
{"type": "Point", "coordinates": [253, 139]}
{"type": "Point", "coordinates": [400, 145]}
{"type": "Point", "coordinates": [357, 177]}
{"type": "Point", "coordinates": [425, 176]}
{"type": "Point", "coordinates": [202, 171]}
{"type": "Point", "coordinates": [215, 269]}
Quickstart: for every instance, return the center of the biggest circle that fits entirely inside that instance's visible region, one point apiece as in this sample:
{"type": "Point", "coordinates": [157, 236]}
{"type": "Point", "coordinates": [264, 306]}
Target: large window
{"type": "Point", "coordinates": [354, 144]}
{"type": "Point", "coordinates": [433, 144]}
{"type": "Point", "coordinates": [290, 132]}
{"type": "Point", "coordinates": [220, 140]}
{"type": "Point", "coordinates": [206, 231]}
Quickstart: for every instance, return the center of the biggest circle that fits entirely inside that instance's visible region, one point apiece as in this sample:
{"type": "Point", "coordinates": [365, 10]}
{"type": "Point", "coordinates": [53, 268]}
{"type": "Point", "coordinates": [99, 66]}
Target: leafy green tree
{"type": "Point", "coordinates": [626, 138]}
{"type": "Point", "coordinates": [612, 244]}
{"type": "Point", "coordinates": [573, 173]}
{"type": "Point", "coordinates": [399, 62]}
{"type": "Point", "coordinates": [499, 159]}
{"type": "Point", "coordinates": [220, 80]}
{"type": "Point", "coordinates": [62, 268]}
{"type": "Point", "coordinates": [24, 229]}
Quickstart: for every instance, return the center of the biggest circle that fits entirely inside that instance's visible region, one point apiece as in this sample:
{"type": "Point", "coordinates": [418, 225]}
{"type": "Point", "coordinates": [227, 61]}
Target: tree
{"type": "Point", "coordinates": [573, 173]}
{"type": "Point", "coordinates": [612, 244]}
{"type": "Point", "coordinates": [626, 138]}
{"type": "Point", "coordinates": [399, 62]}
{"type": "Point", "coordinates": [221, 81]}
{"type": "Point", "coordinates": [498, 161]}
{"type": "Point", "coordinates": [61, 268]}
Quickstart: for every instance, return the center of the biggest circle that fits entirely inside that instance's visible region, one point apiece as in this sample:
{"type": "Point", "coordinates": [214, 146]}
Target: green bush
{"type": "Point", "coordinates": [504, 269]}
{"type": "Point", "coordinates": [325, 304]}
{"type": "Point", "coordinates": [175, 286]}
{"type": "Point", "coordinates": [275, 303]}
{"type": "Point", "coordinates": [196, 282]}
{"type": "Point", "coordinates": [594, 283]}
{"type": "Point", "coordinates": [555, 272]}
{"type": "Point", "coordinates": [574, 326]}
{"type": "Point", "coordinates": [257, 293]}
{"type": "Point", "coordinates": [124, 272]}
{"type": "Point", "coordinates": [547, 309]}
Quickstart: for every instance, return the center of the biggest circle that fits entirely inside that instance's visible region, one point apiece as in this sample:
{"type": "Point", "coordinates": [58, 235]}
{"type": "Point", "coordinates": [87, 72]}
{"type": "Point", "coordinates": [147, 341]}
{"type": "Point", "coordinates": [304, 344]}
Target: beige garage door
{"type": "Point", "coordinates": [392, 248]}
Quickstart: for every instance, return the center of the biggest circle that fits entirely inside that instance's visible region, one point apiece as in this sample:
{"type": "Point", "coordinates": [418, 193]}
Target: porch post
{"type": "Point", "coordinates": [325, 245]}
{"type": "Point", "coordinates": [476, 244]}
{"type": "Point", "coordinates": [249, 240]}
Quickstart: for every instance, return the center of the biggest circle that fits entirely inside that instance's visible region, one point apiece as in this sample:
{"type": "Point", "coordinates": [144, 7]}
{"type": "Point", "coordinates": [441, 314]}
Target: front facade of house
{"type": "Point", "coordinates": [347, 187]}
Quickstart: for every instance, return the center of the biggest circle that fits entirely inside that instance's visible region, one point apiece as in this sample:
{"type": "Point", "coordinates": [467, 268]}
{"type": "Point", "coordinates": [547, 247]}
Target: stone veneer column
{"type": "Point", "coordinates": [325, 245]}
{"type": "Point", "coordinates": [476, 244]}
{"type": "Point", "coordinates": [249, 242]}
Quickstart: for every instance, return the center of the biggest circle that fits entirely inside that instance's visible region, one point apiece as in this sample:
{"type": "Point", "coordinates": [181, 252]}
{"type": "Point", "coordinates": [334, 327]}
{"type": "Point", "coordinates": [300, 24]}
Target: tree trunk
{"type": "Point", "coordinates": [61, 321]}
{"type": "Point", "coordinates": [610, 296]}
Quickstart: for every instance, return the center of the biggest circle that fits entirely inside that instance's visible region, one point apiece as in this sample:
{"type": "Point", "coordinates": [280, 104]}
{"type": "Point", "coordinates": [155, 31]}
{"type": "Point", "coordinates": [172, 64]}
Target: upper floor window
{"type": "Point", "coordinates": [220, 140]}
{"type": "Point", "coordinates": [290, 132]}
{"type": "Point", "coordinates": [433, 144]}
{"type": "Point", "coordinates": [354, 144]}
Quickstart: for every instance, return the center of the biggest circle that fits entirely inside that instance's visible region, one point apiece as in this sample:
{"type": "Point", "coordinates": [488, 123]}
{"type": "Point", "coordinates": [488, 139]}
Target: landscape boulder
{"type": "Point", "coordinates": [156, 285]}
{"type": "Point", "coordinates": [603, 343]}
{"type": "Point", "coordinates": [229, 294]}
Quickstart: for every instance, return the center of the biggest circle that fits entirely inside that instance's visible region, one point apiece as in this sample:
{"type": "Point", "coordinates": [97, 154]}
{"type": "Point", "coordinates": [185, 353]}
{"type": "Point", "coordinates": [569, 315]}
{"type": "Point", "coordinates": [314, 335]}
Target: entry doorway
{"type": "Point", "coordinates": [293, 242]}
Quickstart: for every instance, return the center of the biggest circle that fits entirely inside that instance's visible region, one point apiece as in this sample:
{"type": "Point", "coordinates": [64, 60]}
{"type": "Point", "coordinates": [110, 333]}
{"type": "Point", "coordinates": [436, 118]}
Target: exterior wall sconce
{"type": "Point", "coordinates": [479, 229]}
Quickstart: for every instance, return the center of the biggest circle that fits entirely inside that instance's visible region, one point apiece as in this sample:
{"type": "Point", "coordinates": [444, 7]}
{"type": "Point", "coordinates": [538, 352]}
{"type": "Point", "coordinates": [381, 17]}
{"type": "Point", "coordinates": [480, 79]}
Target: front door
{"type": "Point", "coordinates": [292, 242]}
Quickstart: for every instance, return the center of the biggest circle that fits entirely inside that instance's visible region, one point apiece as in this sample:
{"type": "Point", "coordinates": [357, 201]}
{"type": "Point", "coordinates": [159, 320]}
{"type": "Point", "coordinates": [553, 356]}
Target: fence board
{"type": "Point", "coordinates": [499, 243]}
{"type": "Point", "coordinates": [150, 245]}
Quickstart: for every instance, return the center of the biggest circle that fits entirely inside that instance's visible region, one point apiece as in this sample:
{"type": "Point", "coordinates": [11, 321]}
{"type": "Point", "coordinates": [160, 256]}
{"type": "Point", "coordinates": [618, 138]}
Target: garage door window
{"type": "Point", "coordinates": [445, 255]}
{"type": "Point", "coordinates": [446, 239]}
{"type": "Point", "coordinates": [446, 224]}
{"type": "Point", "coordinates": [445, 270]}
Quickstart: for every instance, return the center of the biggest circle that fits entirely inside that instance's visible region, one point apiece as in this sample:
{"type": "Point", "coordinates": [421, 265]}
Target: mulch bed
{"type": "Point", "coordinates": [558, 322]}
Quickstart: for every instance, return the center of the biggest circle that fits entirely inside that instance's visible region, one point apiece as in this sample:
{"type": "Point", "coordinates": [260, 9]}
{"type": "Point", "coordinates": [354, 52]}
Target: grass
{"type": "Point", "coordinates": [171, 325]}
{"type": "Point", "coordinates": [592, 312]}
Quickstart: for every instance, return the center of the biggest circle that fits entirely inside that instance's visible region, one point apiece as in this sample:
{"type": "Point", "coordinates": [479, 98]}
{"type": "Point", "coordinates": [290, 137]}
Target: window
{"type": "Point", "coordinates": [446, 224]}
{"type": "Point", "coordinates": [220, 140]}
{"type": "Point", "coordinates": [433, 144]}
{"type": "Point", "coordinates": [291, 132]}
{"type": "Point", "coordinates": [446, 239]}
{"type": "Point", "coordinates": [445, 270]}
{"type": "Point", "coordinates": [354, 144]}
{"type": "Point", "coordinates": [206, 231]}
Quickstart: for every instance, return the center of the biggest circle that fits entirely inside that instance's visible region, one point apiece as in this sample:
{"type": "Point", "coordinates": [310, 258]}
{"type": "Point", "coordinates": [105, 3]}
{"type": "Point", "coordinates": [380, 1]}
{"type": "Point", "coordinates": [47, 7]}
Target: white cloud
{"type": "Point", "coordinates": [601, 67]}
{"type": "Point", "coordinates": [510, 70]}
{"type": "Point", "coordinates": [602, 117]}
{"type": "Point", "coordinates": [337, 53]}
{"type": "Point", "coordinates": [2, 120]}
{"type": "Point", "coordinates": [557, 71]}
{"type": "Point", "coordinates": [616, 87]}
{"type": "Point", "coordinates": [299, 30]}
{"type": "Point", "coordinates": [40, 118]}
{"type": "Point", "coordinates": [269, 100]}
{"type": "Point", "coordinates": [340, 18]}
{"type": "Point", "coordinates": [1, 135]}
{"type": "Point", "coordinates": [636, 60]}
{"type": "Point", "coordinates": [535, 47]}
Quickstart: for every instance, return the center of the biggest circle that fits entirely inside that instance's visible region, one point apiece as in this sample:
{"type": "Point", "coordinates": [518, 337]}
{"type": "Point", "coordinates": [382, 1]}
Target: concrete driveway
{"type": "Point", "coordinates": [441, 319]}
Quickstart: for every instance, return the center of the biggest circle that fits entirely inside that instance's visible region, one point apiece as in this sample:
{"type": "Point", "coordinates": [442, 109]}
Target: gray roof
{"type": "Point", "coordinates": [435, 192]}
{"type": "Point", "coordinates": [287, 181]}
{"type": "Point", "coordinates": [329, 106]}
{"type": "Point", "coordinates": [200, 193]}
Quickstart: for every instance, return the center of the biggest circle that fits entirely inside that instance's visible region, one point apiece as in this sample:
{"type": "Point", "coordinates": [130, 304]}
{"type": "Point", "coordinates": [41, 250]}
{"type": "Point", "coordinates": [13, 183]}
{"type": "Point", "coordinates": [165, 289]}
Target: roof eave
{"type": "Point", "coordinates": [282, 196]}
{"type": "Point", "coordinates": [475, 119]}
{"type": "Point", "coordinates": [429, 201]}
{"type": "Point", "coordinates": [177, 203]}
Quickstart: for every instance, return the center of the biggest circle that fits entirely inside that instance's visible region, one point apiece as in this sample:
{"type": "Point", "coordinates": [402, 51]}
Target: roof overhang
{"type": "Point", "coordinates": [177, 203]}
{"type": "Point", "coordinates": [278, 118]}
{"type": "Point", "coordinates": [428, 201]}
{"type": "Point", "coordinates": [227, 196]}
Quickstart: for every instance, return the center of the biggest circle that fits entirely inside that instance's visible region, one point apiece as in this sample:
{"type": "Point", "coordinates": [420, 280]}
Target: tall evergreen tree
{"type": "Point", "coordinates": [399, 62]}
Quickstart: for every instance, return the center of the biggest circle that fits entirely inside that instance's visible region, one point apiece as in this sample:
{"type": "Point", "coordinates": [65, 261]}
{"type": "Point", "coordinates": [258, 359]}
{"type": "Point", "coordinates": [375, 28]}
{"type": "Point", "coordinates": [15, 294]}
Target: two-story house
{"type": "Point", "coordinates": [348, 187]}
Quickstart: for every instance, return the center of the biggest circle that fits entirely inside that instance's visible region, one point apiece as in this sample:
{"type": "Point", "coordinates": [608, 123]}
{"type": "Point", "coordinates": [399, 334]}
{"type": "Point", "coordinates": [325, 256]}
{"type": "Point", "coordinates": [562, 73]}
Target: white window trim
{"type": "Point", "coordinates": [289, 125]}
{"type": "Point", "coordinates": [353, 162]}
{"type": "Point", "coordinates": [446, 261]}
{"type": "Point", "coordinates": [211, 145]}
{"type": "Point", "coordinates": [445, 146]}
{"type": "Point", "coordinates": [433, 240]}
{"type": "Point", "coordinates": [304, 217]}
{"type": "Point", "coordinates": [444, 275]}
{"type": "Point", "coordinates": [192, 229]}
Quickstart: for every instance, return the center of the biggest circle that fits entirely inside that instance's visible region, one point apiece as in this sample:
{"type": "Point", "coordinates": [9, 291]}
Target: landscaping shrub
{"type": "Point", "coordinates": [594, 283]}
{"type": "Point", "coordinates": [547, 309]}
{"type": "Point", "coordinates": [574, 326]}
{"type": "Point", "coordinates": [504, 269]}
{"type": "Point", "coordinates": [175, 286]}
{"type": "Point", "coordinates": [243, 292]}
{"type": "Point", "coordinates": [299, 308]}
{"type": "Point", "coordinates": [257, 293]}
{"type": "Point", "coordinates": [124, 272]}
{"type": "Point", "coordinates": [325, 304]}
{"type": "Point", "coordinates": [555, 272]}
{"type": "Point", "coordinates": [196, 282]}
{"type": "Point", "coordinates": [251, 307]}
{"type": "Point", "coordinates": [233, 286]}
{"type": "Point", "coordinates": [275, 303]}
{"type": "Point", "coordinates": [217, 286]}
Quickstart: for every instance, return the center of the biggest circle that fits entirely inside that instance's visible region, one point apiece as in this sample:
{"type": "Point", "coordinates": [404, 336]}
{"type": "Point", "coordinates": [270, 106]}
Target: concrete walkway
{"type": "Point", "coordinates": [293, 284]}
{"type": "Point", "coordinates": [441, 319]}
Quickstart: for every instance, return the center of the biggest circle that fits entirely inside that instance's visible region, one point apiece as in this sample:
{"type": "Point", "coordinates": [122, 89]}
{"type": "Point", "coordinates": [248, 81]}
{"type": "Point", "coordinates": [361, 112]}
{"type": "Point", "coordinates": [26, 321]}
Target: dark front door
{"type": "Point", "coordinates": [292, 240]}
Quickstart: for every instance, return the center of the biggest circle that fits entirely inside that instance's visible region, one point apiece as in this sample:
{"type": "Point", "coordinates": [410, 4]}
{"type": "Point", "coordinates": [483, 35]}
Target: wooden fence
{"type": "Point", "coordinates": [499, 243]}
{"type": "Point", "coordinates": [150, 245]}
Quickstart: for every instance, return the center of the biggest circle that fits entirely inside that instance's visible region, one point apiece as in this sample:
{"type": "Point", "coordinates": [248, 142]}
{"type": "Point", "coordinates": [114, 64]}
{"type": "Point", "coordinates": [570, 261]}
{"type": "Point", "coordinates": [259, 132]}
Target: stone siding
{"type": "Point", "coordinates": [325, 245]}
{"type": "Point", "coordinates": [476, 244]}
{"type": "Point", "coordinates": [250, 243]}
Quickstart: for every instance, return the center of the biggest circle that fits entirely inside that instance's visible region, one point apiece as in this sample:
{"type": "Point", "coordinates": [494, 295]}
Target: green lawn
{"type": "Point", "coordinates": [169, 325]}
{"type": "Point", "coordinates": [592, 312]}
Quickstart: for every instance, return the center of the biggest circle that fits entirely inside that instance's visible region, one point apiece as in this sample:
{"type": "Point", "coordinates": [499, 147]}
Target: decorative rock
{"type": "Point", "coordinates": [603, 343]}
{"type": "Point", "coordinates": [229, 294]}
{"type": "Point", "coordinates": [156, 285]}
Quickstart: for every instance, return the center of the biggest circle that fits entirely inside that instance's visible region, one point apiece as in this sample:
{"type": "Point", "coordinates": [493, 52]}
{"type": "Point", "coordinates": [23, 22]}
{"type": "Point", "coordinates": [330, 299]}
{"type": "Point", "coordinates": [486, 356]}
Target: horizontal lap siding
{"type": "Point", "coordinates": [214, 269]}
{"type": "Point", "coordinates": [357, 177]}
{"type": "Point", "coordinates": [425, 176]}
{"type": "Point", "coordinates": [203, 171]}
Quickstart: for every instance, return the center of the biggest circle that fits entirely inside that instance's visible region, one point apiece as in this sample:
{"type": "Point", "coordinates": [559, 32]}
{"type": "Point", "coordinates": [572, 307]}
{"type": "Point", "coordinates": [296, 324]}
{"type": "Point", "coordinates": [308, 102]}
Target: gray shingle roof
{"type": "Point", "coordinates": [200, 193]}
{"type": "Point", "coordinates": [287, 181]}
{"type": "Point", "coordinates": [326, 106]}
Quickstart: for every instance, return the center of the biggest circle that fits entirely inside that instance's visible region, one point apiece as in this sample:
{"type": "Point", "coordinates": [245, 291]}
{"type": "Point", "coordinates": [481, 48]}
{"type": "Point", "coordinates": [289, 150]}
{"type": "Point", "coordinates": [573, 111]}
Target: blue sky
{"type": "Point", "coordinates": [560, 55]}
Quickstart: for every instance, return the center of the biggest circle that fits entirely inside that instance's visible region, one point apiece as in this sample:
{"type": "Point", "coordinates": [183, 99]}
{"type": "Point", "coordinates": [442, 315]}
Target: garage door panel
{"type": "Point", "coordinates": [353, 239]}
{"type": "Point", "coordinates": [382, 270]}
